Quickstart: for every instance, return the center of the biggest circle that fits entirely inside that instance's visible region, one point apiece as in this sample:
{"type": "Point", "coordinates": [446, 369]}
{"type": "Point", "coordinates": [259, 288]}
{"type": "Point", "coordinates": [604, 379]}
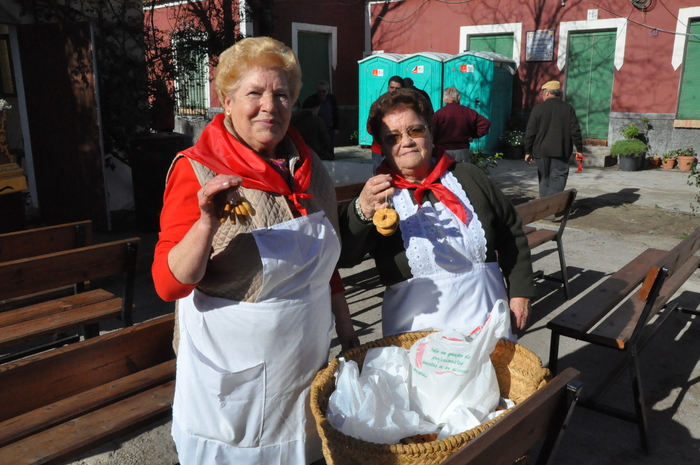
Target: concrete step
{"type": "Point", "coordinates": [596, 157]}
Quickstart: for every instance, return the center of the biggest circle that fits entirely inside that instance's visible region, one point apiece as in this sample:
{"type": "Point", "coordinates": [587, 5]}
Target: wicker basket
{"type": "Point", "coordinates": [519, 372]}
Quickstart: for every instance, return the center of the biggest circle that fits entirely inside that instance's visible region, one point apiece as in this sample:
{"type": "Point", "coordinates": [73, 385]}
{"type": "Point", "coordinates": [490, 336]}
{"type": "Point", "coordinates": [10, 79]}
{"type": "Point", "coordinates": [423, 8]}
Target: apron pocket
{"type": "Point", "coordinates": [221, 405]}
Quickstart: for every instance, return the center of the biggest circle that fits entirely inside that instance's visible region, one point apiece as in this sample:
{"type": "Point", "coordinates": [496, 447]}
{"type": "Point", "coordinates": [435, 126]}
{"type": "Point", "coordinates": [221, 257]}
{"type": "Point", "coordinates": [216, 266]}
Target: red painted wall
{"type": "Point", "coordinates": [349, 18]}
{"type": "Point", "coordinates": [646, 83]}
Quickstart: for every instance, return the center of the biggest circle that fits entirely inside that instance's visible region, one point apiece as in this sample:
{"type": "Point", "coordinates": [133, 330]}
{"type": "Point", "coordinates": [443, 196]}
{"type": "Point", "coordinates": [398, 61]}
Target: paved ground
{"type": "Point", "coordinates": [617, 215]}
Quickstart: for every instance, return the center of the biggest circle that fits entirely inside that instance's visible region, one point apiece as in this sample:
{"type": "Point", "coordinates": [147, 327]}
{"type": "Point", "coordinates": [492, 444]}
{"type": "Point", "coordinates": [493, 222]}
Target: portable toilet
{"type": "Point", "coordinates": [374, 74]}
{"type": "Point", "coordinates": [485, 81]}
{"type": "Point", "coordinates": [425, 68]}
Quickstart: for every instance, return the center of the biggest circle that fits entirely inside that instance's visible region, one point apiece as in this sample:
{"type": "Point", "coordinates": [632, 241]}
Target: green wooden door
{"type": "Point", "coordinates": [689, 100]}
{"type": "Point", "coordinates": [502, 44]}
{"type": "Point", "coordinates": [589, 80]}
{"type": "Point", "coordinates": [313, 49]}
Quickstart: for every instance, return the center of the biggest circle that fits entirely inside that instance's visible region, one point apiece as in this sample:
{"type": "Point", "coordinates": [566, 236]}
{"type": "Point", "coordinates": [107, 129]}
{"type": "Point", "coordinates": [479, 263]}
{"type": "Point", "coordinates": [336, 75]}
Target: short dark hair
{"type": "Point", "coordinates": [398, 79]}
{"type": "Point", "coordinates": [555, 92]}
{"type": "Point", "coordinates": [403, 98]}
{"type": "Point", "coordinates": [312, 101]}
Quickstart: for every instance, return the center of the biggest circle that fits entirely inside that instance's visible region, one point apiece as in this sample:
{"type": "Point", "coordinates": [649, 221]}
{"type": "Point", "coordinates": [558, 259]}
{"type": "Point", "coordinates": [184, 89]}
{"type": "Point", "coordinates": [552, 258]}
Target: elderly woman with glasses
{"type": "Point", "coordinates": [459, 245]}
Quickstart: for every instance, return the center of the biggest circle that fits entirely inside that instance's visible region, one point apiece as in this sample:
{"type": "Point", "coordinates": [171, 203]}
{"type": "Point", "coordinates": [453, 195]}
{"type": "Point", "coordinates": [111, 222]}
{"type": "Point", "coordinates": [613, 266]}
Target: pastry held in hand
{"type": "Point", "coordinates": [386, 220]}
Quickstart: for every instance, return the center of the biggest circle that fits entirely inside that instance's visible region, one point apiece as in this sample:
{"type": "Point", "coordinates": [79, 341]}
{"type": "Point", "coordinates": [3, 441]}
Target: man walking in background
{"type": "Point", "coordinates": [328, 111]}
{"type": "Point", "coordinates": [552, 132]}
{"type": "Point", "coordinates": [455, 125]}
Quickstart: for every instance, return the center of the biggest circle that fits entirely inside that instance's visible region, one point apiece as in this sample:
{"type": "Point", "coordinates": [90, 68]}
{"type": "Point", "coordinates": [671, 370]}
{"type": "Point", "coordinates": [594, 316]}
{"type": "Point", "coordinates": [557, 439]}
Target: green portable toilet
{"type": "Point", "coordinates": [425, 68]}
{"type": "Point", "coordinates": [374, 74]}
{"type": "Point", "coordinates": [485, 80]}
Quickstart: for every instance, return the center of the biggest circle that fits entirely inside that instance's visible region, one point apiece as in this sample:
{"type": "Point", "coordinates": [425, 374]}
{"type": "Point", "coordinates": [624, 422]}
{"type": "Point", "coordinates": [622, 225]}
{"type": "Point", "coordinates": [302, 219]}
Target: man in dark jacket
{"type": "Point", "coordinates": [328, 111]}
{"type": "Point", "coordinates": [552, 132]}
{"type": "Point", "coordinates": [455, 125]}
{"type": "Point", "coordinates": [312, 128]}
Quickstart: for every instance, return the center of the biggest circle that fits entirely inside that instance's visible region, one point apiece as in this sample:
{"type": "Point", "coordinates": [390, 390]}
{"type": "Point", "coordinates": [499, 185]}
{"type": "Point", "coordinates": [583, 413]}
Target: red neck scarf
{"type": "Point", "coordinates": [443, 194]}
{"type": "Point", "coordinates": [220, 151]}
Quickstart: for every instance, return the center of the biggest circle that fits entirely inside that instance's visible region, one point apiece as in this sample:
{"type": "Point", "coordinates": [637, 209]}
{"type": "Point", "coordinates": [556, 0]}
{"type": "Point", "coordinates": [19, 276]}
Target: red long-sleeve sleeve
{"type": "Point", "coordinates": [180, 212]}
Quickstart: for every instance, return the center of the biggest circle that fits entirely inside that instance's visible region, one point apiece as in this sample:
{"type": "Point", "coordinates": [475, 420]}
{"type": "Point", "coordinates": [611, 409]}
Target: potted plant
{"type": "Point", "coordinates": [514, 145]}
{"type": "Point", "coordinates": [668, 159]}
{"type": "Point", "coordinates": [654, 161]}
{"type": "Point", "coordinates": [630, 152]}
{"type": "Point", "coordinates": [686, 158]}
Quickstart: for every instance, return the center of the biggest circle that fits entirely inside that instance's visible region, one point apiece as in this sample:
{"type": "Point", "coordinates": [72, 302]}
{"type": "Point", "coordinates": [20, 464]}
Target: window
{"type": "Point", "coordinates": [192, 73]}
{"type": "Point", "coordinates": [493, 37]}
{"type": "Point", "coordinates": [689, 99]}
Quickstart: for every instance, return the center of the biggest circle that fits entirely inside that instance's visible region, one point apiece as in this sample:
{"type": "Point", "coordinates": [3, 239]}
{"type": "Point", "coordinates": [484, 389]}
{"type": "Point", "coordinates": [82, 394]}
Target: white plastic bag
{"type": "Point", "coordinates": [376, 406]}
{"type": "Point", "coordinates": [452, 372]}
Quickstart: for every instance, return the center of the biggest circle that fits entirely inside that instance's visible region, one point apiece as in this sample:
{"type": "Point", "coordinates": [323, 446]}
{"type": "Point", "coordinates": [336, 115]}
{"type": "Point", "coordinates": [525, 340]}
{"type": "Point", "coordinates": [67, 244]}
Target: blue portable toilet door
{"type": "Point", "coordinates": [425, 69]}
{"type": "Point", "coordinates": [374, 73]}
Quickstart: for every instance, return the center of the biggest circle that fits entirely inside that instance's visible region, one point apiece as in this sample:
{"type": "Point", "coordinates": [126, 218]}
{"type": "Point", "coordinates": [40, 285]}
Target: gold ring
{"type": "Point", "coordinates": [204, 193]}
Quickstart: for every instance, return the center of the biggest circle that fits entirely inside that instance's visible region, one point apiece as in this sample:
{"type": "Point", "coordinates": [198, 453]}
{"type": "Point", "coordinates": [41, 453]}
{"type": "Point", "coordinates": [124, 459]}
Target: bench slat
{"type": "Point", "coordinates": [536, 209]}
{"type": "Point", "coordinates": [42, 379]}
{"type": "Point", "coordinates": [84, 433]}
{"type": "Point", "coordinates": [54, 306]}
{"type": "Point", "coordinates": [30, 275]}
{"type": "Point", "coordinates": [616, 330]}
{"type": "Point", "coordinates": [48, 416]}
{"type": "Point", "coordinates": [60, 321]}
{"type": "Point", "coordinates": [346, 192]}
{"type": "Point", "coordinates": [540, 236]}
{"type": "Point", "coordinates": [41, 241]}
{"type": "Point", "coordinates": [585, 313]}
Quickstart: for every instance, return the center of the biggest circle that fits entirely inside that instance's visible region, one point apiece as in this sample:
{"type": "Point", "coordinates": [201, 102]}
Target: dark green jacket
{"type": "Point", "coordinates": [505, 241]}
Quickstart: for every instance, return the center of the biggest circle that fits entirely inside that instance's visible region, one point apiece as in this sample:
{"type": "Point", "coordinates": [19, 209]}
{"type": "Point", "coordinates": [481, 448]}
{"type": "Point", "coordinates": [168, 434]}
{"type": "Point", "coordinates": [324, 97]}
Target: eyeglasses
{"type": "Point", "coordinates": [414, 132]}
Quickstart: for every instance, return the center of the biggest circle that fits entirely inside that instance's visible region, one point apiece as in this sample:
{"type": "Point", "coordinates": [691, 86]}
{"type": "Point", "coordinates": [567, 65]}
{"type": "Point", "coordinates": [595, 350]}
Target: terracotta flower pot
{"type": "Point", "coordinates": [668, 163]}
{"type": "Point", "coordinates": [685, 163]}
{"type": "Point", "coordinates": [653, 162]}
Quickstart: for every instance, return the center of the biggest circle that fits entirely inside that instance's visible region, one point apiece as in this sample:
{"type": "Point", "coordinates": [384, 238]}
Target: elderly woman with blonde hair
{"type": "Point", "coordinates": [248, 247]}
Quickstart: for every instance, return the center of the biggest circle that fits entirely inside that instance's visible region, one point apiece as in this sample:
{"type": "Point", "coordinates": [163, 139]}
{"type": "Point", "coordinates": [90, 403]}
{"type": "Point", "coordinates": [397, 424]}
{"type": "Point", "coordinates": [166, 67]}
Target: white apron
{"type": "Point", "coordinates": [452, 285]}
{"type": "Point", "coordinates": [244, 369]}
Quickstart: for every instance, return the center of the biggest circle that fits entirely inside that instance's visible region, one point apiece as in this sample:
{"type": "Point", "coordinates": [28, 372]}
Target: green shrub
{"type": "Point", "coordinates": [629, 148]}
{"type": "Point", "coordinates": [631, 132]}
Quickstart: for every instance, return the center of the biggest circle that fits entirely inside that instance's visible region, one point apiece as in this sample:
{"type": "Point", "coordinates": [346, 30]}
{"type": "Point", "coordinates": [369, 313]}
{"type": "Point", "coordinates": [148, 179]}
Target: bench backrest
{"type": "Point", "coordinates": [543, 207]}
{"type": "Point", "coordinates": [50, 376]}
{"type": "Point", "coordinates": [346, 192]}
{"type": "Point", "coordinates": [541, 415]}
{"type": "Point", "coordinates": [36, 274]}
{"type": "Point", "coordinates": [680, 254]}
{"type": "Point", "coordinates": [42, 241]}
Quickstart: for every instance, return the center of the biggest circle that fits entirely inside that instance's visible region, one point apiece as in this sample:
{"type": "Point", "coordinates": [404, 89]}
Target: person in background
{"type": "Point", "coordinates": [459, 245]}
{"type": "Point", "coordinates": [552, 133]}
{"type": "Point", "coordinates": [408, 83]}
{"type": "Point", "coordinates": [395, 83]}
{"type": "Point", "coordinates": [328, 111]}
{"type": "Point", "coordinates": [312, 128]}
{"type": "Point", "coordinates": [455, 126]}
{"type": "Point", "coordinates": [248, 247]}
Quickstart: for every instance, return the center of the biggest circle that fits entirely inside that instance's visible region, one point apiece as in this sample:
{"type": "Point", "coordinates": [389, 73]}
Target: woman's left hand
{"type": "Point", "coordinates": [520, 309]}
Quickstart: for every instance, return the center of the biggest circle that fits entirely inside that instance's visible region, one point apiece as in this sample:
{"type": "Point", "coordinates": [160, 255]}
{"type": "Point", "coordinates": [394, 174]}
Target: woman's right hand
{"type": "Point", "coordinates": [210, 203]}
{"type": "Point", "coordinates": [375, 194]}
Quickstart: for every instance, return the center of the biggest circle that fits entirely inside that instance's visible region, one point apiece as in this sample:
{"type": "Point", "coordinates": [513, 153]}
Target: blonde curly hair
{"type": "Point", "coordinates": [237, 60]}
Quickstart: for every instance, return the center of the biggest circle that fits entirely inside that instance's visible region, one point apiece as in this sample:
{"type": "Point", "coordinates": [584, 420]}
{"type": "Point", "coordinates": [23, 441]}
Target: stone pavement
{"type": "Point", "coordinates": [669, 363]}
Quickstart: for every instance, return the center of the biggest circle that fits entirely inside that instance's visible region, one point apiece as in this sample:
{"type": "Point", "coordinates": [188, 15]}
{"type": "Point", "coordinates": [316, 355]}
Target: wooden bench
{"type": "Point", "coordinates": [61, 403]}
{"type": "Point", "coordinates": [32, 275]}
{"type": "Point", "coordinates": [542, 416]}
{"type": "Point", "coordinates": [42, 241]}
{"type": "Point", "coordinates": [537, 209]}
{"type": "Point", "coordinates": [614, 315]}
{"type": "Point", "coordinates": [346, 192]}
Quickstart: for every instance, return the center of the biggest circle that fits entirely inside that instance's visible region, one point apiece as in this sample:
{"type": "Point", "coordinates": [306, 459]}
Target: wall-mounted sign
{"type": "Point", "coordinates": [378, 72]}
{"type": "Point", "coordinates": [539, 45]}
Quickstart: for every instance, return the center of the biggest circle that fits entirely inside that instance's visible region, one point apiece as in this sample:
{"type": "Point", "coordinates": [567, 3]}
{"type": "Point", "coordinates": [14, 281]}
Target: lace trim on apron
{"type": "Point", "coordinates": [435, 240]}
